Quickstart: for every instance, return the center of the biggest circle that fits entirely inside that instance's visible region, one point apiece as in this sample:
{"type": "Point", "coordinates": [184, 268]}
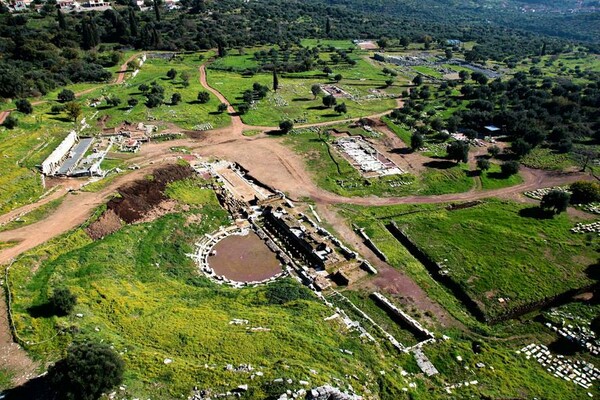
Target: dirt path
{"type": "Point", "coordinates": [237, 126]}
{"type": "Point", "coordinates": [3, 115]}
{"type": "Point", "coordinates": [389, 279]}
{"type": "Point", "coordinates": [12, 356]}
{"type": "Point", "coordinates": [8, 217]}
{"type": "Point", "coordinates": [123, 69]}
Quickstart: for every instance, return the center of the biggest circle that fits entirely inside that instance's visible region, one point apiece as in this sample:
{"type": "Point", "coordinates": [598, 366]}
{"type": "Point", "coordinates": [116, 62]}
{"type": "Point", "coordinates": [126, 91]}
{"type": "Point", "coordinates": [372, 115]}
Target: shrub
{"type": "Point", "coordinates": [585, 192]}
{"type": "Point", "coordinates": [284, 291]}
{"type": "Point", "coordinates": [62, 301]}
{"type": "Point", "coordinates": [24, 106]}
{"type": "Point", "coordinates": [510, 168]}
{"type": "Point", "coordinates": [286, 126]}
{"type": "Point", "coordinates": [66, 95]}
{"type": "Point", "coordinates": [10, 122]}
{"type": "Point", "coordinates": [203, 97]}
{"type": "Point", "coordinates": [88, 371]}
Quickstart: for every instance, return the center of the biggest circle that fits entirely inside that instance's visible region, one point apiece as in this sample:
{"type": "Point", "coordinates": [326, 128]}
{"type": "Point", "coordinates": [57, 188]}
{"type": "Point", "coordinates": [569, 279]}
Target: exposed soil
{"type": "Point", "coordinates": [140, 197]}
{"type": "Point", "coordinates": [109, 222]}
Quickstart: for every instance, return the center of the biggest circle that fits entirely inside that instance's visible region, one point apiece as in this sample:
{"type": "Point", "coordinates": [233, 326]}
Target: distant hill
{"type": "Point", "coordinates": [571, 19]}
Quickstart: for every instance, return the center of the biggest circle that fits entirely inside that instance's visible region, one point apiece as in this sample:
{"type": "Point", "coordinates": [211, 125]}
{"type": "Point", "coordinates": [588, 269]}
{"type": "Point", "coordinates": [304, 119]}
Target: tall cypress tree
{"type": "Point", "coordinates": [157, 9]}
{"type": "Point", "coordinates": [328, 27]}
{"type": "Point", "coordinates": [133, 27]}
{"type": "Point", "coordinates": [275, 80]}
{"type": "Point", "coordinates": [62, 24]}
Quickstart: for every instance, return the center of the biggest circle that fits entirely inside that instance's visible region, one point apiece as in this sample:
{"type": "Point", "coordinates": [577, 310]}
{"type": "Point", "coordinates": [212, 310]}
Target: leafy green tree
{"type": "Point", "coordinates": [285, 126]}
{"type": "Point", "coordinates": [464, 75]}
{"type": "Point", "coordinates": [203, 97]}
{"type": "Point", "coordinates": [509, 168]}
{"type": "Point", "coordinates": [389, 82]}
{"type": "Point", "coordinates": [584, 192]}
{"type": "Point", "coordinates": [222, 107]}
{"type": "Point", "coordinates": [132, 102]}
{"type": "Point", "coordinates": [556, 201]}
{"type": "Point", "coordinates": [417, 80]}
{"type": "Point", "coordinates": [175, 98]}
{"type": "Point", "coordinates": [341, 108]}
{"type": "Point", "coordinates": [88, 371]}
{"type": "Point", "coordinates": [73, 110]}
{"type": "Point", "coordinates": [65, 95]}
{"type": "Point", "coordinates": [458, 151]}
{"type": "Point", "coordinates": [416, 141]}
{"type": "Point", "coordinates": [483, 164]}
{"type": "Point", "coordinates": [327, 70]}
{"type": "Point", "coordinates": [520, 147]}
{"type": "Point", "coordinates": [383, 43]}
{"type": "Point", "coordinates": [62, 301]}
{"type": "Point", "coordinates": [337, 77]}
{"type": "Point", "coordinates": [24, 106]}
{"type": "Point", "coordinates": [315, 90]}
{"type": "Point", "coordinates": [144, 88]}
{"type": "Point", "coordinates": [329, 101]}
{"type": "Point", "coordinates": [10, 122]}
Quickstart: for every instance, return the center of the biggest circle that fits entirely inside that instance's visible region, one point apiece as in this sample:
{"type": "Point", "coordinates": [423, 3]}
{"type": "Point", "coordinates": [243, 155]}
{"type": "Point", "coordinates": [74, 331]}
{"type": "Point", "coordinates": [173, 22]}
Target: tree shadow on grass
{"type": "Point", "coordinates": [275, 132]}
{"type": "Point", "coordinates": [593, 271]}
{"type": "Point", "coordinates": [62, 119]}
{"type": "Point", "coordinates": [536, 213]}
{"type": "Point", "coordinates": [317, 108]}
{"type": "Point", "coordinates": [34, 389]}
{"type": "Point", "coordinates": [401, 150]}
{"type": "Point", "coordinates": [445, 164]}
{"type": "Point", "coordinates": [331, 115]}
{"type": "Point", "coordinates": [474, 173]}
{"type": "Point", "coordinates": [497, 175]}
{"type": "Point", "coordinates": [302, 99]}
{"type": "Point", "coordinates": [44, 310]}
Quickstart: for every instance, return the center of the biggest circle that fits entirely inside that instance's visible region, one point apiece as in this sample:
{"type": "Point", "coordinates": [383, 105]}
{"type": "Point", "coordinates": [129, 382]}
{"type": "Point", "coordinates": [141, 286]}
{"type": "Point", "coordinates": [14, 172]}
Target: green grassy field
{"type": "Point", "coordinates": [22, 149]}
{"type": "Point", "coordinates": [348, 181]}
{"type": "Point", "coordinates": [138, 291]}
{"type": "Point", "coordinates": [495, 250]}
{"type": "Point", "coordinates": [293, 100]}
{"type": "Point", "coordinates": [494, 179]}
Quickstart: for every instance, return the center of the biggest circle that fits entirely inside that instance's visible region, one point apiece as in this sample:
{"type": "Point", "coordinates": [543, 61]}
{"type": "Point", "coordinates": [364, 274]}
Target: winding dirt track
{"type": "Point", "coordinates": [269, 161]}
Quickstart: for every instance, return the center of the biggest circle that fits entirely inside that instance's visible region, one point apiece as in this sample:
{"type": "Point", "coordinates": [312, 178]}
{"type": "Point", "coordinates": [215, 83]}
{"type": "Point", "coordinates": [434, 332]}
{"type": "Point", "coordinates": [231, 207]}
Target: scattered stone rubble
{"type": "Point", "coordinates": [594, 227]}
{"type": "Point", "coordinates": [584, 337]}
{"type": "Point", "coordinates": [459, 385]}
{"type": "Point", "coordinates": [578, 372]}
{"type": "Point", "coordinates": [539, 193]}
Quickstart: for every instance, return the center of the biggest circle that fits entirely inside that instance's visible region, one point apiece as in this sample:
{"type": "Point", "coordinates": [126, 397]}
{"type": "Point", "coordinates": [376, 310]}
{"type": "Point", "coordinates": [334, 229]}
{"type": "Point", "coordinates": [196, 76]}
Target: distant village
{"type": "Point", "coordinates": [68, 6]}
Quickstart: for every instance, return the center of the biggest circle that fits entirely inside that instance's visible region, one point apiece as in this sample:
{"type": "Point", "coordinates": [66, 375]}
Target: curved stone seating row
{"type": "Point", "coordinates": [205, 248]}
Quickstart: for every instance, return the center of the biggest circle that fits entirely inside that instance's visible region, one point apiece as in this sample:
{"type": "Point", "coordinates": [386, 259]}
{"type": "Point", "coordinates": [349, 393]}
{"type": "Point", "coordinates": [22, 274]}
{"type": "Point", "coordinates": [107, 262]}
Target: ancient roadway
{"type": "Point", "coordinates": [268, 160]}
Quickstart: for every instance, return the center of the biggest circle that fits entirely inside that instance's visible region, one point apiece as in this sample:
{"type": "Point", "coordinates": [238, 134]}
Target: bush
{"type": "Point", "coordinates": [66, 95]}
{"type": "Point", "coordinates": [416, 141]}
{"type": "Point", "coordinates": [483, 164]}
{"type": "Point", "coordinates": [24, 106]}
{"type": "Point", "coordinates": [88, 371]}
{"type": "Point", "coordinates": [556, 201]}
{"type": "Point", "coordinates": [62, 301]}
{"type": "Point", "coordinates": [585, 192]}
{"type": "Point", "coordinates": [458, 151]}
{"type": "Point", "coordinates": [57, 109]}
{"type": "Point", "coordinates": [510, 168]}
{"type": "Point", "coordinates": [284, 291]}
{"type": "Point", "coordinates": [10, 122]}
{"type": "Point", "coordinates": [286, 126]}
{"type": "Point", "coordinates": [203, 97]}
